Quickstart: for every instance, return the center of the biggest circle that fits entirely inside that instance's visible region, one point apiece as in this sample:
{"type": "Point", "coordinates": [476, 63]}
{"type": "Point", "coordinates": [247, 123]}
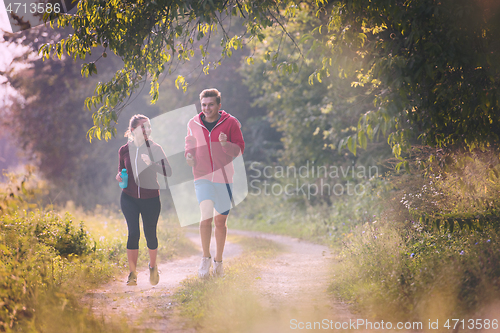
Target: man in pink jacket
{"type": "Point", "coordinates": [213, 141]}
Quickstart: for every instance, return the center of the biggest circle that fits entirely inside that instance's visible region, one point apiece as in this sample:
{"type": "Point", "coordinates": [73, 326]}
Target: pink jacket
{"type": "Point", "coordinates": [213, 161]}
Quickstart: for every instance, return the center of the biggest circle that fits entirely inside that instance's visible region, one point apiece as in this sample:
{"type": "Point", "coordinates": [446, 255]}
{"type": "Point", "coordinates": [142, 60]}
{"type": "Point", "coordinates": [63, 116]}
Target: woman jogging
{"type": "Point", "coordinates": [143, 159]}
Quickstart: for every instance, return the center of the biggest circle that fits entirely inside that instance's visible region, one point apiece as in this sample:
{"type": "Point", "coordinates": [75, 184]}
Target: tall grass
{"type": "Point", "coordinates": [419, 269]}
{"type": "Point", "coordinates": [46, 259]}
{"type": "Point", "coordinates": [322, 222]}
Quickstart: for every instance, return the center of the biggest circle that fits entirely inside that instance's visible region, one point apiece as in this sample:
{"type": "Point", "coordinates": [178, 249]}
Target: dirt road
{"type": "Point", "coordinates": [291, 286]}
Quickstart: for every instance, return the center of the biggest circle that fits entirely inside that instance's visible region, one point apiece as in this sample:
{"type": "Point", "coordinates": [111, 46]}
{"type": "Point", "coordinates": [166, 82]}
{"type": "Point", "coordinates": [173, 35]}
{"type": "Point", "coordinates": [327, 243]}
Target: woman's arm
{"type": "Point", "coordinates": [161, 165]}
{"type": "Point", "coordinates": [121, 165]}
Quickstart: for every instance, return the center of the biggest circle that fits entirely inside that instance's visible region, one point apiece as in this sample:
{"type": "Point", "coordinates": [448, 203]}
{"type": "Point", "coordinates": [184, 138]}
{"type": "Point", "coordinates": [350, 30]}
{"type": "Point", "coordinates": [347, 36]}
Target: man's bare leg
{"type": "Point", "coordinates": [206, 208]}
{"type": "Point", "coordinates": [220, 234]}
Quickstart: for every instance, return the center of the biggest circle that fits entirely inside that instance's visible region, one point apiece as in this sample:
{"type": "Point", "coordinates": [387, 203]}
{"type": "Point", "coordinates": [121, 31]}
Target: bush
{"type": "Point", "coordinates": [456, 190]}
{"type": "Point", "coordinates": [43, 254]}
{"type": "Point", "coordinates": [47, 261]}
{"type": "Point", "coordinates": [410, 270]}
{"type": "Point", "coordinates": [62, 235]}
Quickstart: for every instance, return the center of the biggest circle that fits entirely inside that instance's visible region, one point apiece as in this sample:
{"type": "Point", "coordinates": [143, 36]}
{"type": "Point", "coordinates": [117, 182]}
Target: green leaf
{"type": "Point", "coordinates": [396, 150]}
{"type": "Point", "coordinates": [341, 145]}
{"type": "Point", "coordinates": [351, 144]}
{"type": "Point", "coordinates": [362, 139]}
{"type": "Point", "coordinates": [398, 166]}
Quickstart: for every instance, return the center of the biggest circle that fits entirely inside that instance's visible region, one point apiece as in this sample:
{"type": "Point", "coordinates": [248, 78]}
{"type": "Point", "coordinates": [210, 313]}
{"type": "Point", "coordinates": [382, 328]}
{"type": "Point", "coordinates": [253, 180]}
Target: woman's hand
{"type": "Point", "coordinates": [119, 177]}
{"type": "Point", "coordinates": [146, 159]}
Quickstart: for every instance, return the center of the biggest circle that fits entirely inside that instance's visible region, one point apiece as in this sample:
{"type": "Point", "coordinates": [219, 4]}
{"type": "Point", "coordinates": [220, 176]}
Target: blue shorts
{"type": "Point", "coordinates": [221, 194]}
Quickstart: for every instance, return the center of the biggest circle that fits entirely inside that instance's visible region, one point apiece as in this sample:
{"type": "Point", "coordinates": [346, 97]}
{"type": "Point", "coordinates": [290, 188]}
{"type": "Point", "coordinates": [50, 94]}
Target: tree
{"type": "Point", "coordinates": [48, 122]}
{"type": "Point", "coordinates": [313, 119]}
{"type": "Point", "coordinates": [262, 141]}
{"type": "Point", "coordinates": [433, 66]}
{"type": "Point", "coordinates": [152, 37]}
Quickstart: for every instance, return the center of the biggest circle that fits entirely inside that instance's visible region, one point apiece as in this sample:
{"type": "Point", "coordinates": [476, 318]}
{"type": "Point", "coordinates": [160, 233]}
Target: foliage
{"type": "Point", "coordinates": [152, 38]}
{"type": "Point", "coordinates": [429, 67]}
{"type": "Point", "coordinates": [418, 274]}
{"type": "Point", "coordinates": [313, 119]}
{"type": "Point", "coordinates": [261, 141]}
{"type": "Point", "coordinates": [455, 190]}
{"type": "Point", "coordinates": [17, 192]}
{"type": "Point", "coordinates": [432, 65]}
{"type": "Point", "coordinates": [42, 253]}
{"type": "Point", "coordinates": [423, 267]}
{"type": "Point", "coordinates": [47, 260]}
{"type": "Point", "coordinates": [48, 122]}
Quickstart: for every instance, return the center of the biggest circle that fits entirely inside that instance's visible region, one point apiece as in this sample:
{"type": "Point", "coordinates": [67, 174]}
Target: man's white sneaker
{"type": "Point", "coordinates": [204, 270]}
{"type": "Point", "coordinates": [218, 270]}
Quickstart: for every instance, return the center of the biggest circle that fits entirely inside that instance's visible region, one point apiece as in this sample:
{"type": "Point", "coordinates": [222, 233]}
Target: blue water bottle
{"type": "Point", "coordinates": [124, 182]}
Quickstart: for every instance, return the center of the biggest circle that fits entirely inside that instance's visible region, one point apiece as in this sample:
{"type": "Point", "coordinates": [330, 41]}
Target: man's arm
{"type": "Point", "coordinates": [235, 143]}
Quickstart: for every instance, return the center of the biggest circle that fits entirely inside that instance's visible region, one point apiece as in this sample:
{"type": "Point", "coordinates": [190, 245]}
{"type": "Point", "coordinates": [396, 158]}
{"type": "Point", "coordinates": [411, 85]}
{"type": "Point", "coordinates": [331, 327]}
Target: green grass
{"type": "Point", "coordinates": [47, 262]}
{"type": "Point", "coordinates": [319, 223]}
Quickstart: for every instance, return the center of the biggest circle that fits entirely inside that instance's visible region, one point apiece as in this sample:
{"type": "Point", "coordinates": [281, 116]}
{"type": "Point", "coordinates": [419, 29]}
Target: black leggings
{"type": "Point", "coordinates": [149, 209]}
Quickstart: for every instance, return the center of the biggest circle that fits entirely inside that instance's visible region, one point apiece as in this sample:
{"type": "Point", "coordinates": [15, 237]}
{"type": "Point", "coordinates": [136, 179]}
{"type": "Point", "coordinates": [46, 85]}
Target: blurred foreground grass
{"type": "Point", "coordinates": [227, 304]}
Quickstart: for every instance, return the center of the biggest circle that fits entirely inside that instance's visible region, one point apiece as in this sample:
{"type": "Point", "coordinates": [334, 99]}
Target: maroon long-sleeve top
{"type": "Point", "coordinates": [143, 183]}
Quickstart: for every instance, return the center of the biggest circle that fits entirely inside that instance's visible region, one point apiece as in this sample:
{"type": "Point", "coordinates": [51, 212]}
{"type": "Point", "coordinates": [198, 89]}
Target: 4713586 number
{"type": "Point", "coordinates": [472, 324]}
{"type": "Point", "coordinates": [33, 8]}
